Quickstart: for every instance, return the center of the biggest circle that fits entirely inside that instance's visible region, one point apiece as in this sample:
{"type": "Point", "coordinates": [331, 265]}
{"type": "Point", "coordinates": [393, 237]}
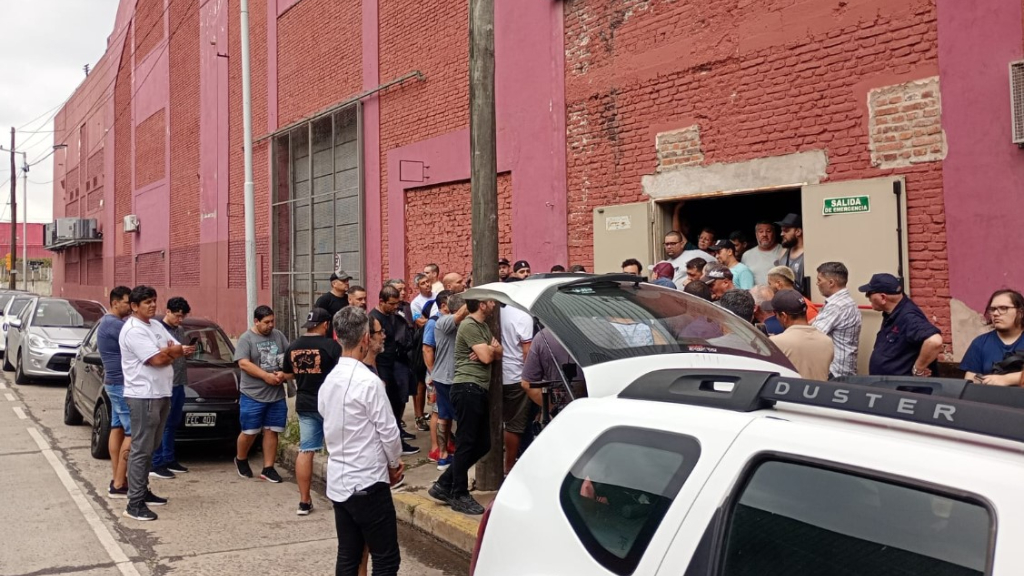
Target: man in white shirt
{"type": "Point", "coordinates": [516, 336]}
{"type": "Point", "coordinates": [365, 452]}
{"type": "Point", "coordinates": [147, 354]}
{"type": "Point", "coordinates": [677, 257]}
{"type": "Point", "coordinates": [762, 259]}
{"type": "Point", "coordinates": [425, 295]}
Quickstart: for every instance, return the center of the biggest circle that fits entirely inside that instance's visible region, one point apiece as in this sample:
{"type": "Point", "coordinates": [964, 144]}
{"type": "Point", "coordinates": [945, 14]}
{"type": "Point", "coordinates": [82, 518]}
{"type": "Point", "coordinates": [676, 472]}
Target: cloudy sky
{"type": "Point", "coordinates": [43, 46]}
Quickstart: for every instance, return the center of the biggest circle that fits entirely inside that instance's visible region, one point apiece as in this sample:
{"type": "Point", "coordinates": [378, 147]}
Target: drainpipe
{"type": "Point", "coordinates": [250, 194]}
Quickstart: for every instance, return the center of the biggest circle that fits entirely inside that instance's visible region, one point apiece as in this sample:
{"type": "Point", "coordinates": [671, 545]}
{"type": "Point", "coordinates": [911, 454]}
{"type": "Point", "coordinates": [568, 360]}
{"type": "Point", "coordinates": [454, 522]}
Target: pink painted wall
{"type": "Point", "coordinates": [983, 174]}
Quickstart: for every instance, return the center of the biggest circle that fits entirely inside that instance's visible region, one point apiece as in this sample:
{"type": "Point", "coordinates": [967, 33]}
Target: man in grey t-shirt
{"type": "Point", "coordinates": [165, 461]}
{"type": "Point", "coordinates": [260, 355]}
{"type": "Point", "coordinates": [442, 371]}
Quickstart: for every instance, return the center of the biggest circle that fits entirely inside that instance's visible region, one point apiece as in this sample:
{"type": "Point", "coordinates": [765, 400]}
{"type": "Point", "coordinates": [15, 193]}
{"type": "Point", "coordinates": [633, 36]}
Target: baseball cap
{"type": "Point", "coordinates": [503, 262]}
{"type": "Point", "coordinates": [340, 275]}
{"type": "Point", "coordinates": [713, 272]}
{"type": "Point", "coordinates": [316, 317]}
{"type": "Point", "coordinates": [519, 265]}
{"type": "Point", "coordinates": [788, 301]}
{"type": "Point", "coordinates": [883, 284]}
{"type": "Point", "coordinates": [790, 221]}
{"type": "Point", "coordinates": [663, 270]}
{"type": "Point", "coordinates": [721, 244]}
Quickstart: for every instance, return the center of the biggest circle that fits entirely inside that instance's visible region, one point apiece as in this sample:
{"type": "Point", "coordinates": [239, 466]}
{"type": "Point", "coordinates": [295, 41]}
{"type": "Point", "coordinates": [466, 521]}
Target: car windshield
{"type": "Point", "coordinates": [211, 345]}
{"type": "Point", "coordinates": [67, 314]}
{"type": "Point", "coordinates": [4, 299]}
{"type": "Point", "coordinates": [601, 320]}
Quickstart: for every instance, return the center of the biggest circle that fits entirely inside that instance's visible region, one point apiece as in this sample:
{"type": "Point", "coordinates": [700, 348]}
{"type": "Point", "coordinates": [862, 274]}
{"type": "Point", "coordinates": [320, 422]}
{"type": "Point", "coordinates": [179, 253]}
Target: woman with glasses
{"type": "Point", "coordinates": [1005, 312]}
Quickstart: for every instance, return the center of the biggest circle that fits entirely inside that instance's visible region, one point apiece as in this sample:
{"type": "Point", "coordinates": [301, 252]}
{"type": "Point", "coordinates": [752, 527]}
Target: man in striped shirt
{"type": "Point", "coordinates": [840, 319]}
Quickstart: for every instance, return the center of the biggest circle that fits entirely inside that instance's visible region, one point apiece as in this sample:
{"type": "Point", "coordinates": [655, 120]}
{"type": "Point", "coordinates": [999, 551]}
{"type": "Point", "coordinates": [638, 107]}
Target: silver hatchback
{"type": "Point", "coordinates": [44, 338]}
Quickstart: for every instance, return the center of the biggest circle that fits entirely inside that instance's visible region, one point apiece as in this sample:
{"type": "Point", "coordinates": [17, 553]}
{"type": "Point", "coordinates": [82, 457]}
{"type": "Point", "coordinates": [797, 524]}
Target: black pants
{"type": "Point", "coordinates": [472, 436]}
{"type": "Point", "coordinates": [393, 391]}
{"type": "Point", "coordinates": [367, 519]}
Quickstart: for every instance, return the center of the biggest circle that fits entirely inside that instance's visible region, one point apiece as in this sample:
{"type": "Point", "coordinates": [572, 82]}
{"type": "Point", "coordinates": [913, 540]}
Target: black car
{"type": "Point", "coordinates": [211, 396]}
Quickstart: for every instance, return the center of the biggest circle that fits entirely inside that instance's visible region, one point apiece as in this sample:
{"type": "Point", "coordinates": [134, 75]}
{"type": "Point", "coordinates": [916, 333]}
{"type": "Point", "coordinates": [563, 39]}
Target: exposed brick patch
{"type": "Point", "coordinates": [905, 124]}
{"type": "Point", "coordinates": [150, 148]}
{"type": "Point", "coordinates": [149, 27]}
{"type": "Point", "coordinates": [679, 148]}
{"type": "Point", "coordinates": [123, 271]}
{"type": "Point", "coordinates": [94, 182]}
{"type": "Point", "coordinates": [73, 186]}
{"type": "Point", "coordinates": [439, 226]}
{"type": "Point", "coordinates": [185, 266]}
{"type": "Point", "coordinates": [184, 56]}
{"type": "Point", "coordinates": [94, 271]}
{"type": "Point", "coordinates": [72, 271]}
{"type": "Point", "coordinates": [149, 269]}
{"type": "Point", "coordinates": [123, 162]}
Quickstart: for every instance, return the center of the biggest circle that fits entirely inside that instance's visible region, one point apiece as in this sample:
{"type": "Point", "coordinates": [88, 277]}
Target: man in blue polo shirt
{"type": "Point", "coordinates": [1005, 312]}
{"type": "Point", "coordinates": [907, 344]}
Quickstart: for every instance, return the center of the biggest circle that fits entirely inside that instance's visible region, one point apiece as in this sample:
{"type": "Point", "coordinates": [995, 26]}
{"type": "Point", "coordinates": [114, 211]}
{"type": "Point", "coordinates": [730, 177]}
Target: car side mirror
{"type": "Point", "coordinates": [570, 370]}
{"type": "Point", "coordinates": [16, 323]}
{"type": "Point", "coordinates": [93, 359]}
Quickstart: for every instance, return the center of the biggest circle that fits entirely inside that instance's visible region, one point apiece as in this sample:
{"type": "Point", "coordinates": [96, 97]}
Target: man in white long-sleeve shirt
{"type": "Point", "coordinates": [365, 452]}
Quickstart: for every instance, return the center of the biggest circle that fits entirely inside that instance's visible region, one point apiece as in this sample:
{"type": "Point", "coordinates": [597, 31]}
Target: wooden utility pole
{"type": "Point", "coordinates": [484, 182]}
{"type": "Point", "coordinates": [14, 213]}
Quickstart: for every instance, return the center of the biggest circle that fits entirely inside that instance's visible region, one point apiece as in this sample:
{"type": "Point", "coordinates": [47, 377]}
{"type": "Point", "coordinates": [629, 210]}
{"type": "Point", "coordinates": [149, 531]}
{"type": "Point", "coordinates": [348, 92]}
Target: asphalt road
{"type": "Point", "coordinates": [58, 520]}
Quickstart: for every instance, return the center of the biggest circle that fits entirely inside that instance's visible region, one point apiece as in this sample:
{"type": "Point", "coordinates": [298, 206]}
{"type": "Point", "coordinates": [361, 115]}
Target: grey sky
{"type": "Point", "coordinates": [43, 46]}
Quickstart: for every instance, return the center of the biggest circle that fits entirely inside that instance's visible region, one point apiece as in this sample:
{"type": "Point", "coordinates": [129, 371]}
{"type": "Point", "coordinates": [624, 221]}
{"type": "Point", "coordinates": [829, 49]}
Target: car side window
{"type": "Point", "coordinates": [794, 518]}
{"type": "Point", "coordinates": [619, 490]}
{"type": "Point", "coordinates": [25, 314]}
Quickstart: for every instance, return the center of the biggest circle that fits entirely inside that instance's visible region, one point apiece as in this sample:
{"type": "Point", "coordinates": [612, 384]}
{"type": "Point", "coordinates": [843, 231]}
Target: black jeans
{"type": "Point", "coordinates": [367, 519]}
{"type": "Point", "coordinates": [393, 389]}
{"type": "Point", "coordinates": [472, 436]}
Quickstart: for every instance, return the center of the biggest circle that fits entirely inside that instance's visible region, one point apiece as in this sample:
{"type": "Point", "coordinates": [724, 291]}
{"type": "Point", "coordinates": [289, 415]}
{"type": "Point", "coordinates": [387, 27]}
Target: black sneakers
{"type": "Point", "coordinates": [439, 494]}
{"type": "Point", "coordinates": [304, 508]}
{"type": "Point", "coordinates": [271, 475]}
{"type": "Point", "coordinates": [140, 512]}
{"type": "Point", "coordinates": [154, 500]}
{"type": "Point", "coordinates": [405, 435]}
{"type": "Point", "coordinates": [243, 468]}
{"type": "Point", "coordinates": [117, 493]}
{"type": "Point", "coordinates": [467, 505]}
{"type": "Point", "coordinates": [176, 467]}
{"type": "Point", "coordinates": [161, 472]}
{"type": "Point", "coordinates": [408, 449]}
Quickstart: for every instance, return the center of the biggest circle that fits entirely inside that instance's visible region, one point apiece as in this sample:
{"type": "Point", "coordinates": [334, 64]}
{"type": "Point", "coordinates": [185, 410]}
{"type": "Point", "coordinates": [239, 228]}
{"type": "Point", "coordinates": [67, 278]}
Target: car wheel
{"type": "Point", "coordinates": [72, 417]}
{"type": "Point", "coordinates": [99, 445]}
{"type": "Point", "coordinates": [19, 372]}
{"type": "Point", "coordinates": [7, 362]}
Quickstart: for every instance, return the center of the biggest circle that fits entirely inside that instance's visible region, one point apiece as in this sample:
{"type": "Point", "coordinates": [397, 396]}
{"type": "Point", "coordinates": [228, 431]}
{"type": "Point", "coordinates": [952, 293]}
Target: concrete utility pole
{"type": "Point", "coordinates": [24, 222]}
{"type": "Point", "coordinates": [14, 212]}
{"type": "Point", "coordinates": [250, 194]}
{"type": "Point", "coordinates": [484, 182]}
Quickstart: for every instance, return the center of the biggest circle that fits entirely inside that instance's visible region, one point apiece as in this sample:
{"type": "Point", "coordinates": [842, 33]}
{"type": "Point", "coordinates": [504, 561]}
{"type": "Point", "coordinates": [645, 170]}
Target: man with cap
{"type": "Point", "coordinates": [504, 269]}
{"type": "Point", "coordinates": [662, 274]}
{"type": "Point", "coordinates": [793, 242]}
{"type": "Point", "coordinates": [521, 269]}
{"type": "Point", "coordinates": [807, 348]}
{"type": "Point", "coordinates": [907, 344]}
{"type": "Point", "coordinates": [308, 360]}
{"type": "Point", "coordinates": [336, 298]}
{"type": "Point", "coordinates": [725, 252]}
{"type": "Point", "coordinates": [719, 280]}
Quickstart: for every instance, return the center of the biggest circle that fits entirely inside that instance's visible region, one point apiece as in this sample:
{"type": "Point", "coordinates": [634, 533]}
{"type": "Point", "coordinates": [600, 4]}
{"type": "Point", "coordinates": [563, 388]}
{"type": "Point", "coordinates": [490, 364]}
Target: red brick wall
{"type": "Point", "coordinates": [766, 80]}
{"type": "Point", "coordinates": [150, 269]}
{"type": "Point", "coordinates": [94, 181]}
{"type": "Point", "coordinates": [439, 226]}
{"type": "Point", "coordinates": [183, 56]}
{"type": "Point", "coordinates": [122, 163]}
{"type": "Point", "coordinates": [149, 27]}
{"type": "Point", "coordinates": [150, 149]}
{"type": "Point", "coordinates": [430, 36]}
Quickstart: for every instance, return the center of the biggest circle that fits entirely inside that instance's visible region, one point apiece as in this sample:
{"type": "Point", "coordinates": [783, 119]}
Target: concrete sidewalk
{"type": "Point", "coordinates": [412, 504]}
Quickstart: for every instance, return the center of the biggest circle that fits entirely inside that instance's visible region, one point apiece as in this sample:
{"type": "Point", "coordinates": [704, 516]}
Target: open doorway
{"type": "Point", "coordinates": [725, 214]}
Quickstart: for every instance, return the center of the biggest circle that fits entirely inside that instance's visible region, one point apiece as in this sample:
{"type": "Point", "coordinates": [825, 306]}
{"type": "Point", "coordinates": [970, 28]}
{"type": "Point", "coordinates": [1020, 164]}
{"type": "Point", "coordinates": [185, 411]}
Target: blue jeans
{"type": "Point", "coordinates": [164, 454]}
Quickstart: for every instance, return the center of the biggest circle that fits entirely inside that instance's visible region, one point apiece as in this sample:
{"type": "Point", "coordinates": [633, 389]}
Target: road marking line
{"type": "Point", "coordinates": [10, 397]}
{"type": "Point", "coordinates": [20, 412]}
{"type": "Point", "coordinates": [91, 517]}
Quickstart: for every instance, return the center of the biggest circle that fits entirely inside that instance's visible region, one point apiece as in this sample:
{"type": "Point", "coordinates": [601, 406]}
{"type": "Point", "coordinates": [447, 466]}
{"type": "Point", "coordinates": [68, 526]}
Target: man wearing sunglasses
{"type": "Point", "coordinates": [907, 344]}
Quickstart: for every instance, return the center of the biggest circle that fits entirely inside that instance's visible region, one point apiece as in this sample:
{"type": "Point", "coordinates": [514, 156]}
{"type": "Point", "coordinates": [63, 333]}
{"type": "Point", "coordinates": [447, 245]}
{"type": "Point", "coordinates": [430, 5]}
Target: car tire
{"type": "Point", "coordinates": [72, 417]}
{"type": "Point", "coordinates": [99, 445]}
{"type": "Point", "coordinates": [19, 372]}
{"type": "Point", "coordinates": [7, 363]}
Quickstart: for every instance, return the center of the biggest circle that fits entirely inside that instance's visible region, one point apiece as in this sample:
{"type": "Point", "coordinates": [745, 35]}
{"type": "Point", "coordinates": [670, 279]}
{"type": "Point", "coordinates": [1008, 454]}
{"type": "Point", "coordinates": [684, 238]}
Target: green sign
{"type": "Point", "coordinates": [846, 205]}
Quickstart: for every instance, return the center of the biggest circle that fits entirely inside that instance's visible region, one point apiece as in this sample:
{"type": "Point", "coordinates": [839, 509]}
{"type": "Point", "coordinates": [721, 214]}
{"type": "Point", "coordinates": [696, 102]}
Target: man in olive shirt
{"type": "Point", "coordinates": [475, 349]}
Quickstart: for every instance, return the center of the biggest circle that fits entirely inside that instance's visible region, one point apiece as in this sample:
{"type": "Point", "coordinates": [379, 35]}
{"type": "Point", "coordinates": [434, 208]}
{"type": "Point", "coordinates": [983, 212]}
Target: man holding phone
{"type": "Point", "coordinates": [165, 462]}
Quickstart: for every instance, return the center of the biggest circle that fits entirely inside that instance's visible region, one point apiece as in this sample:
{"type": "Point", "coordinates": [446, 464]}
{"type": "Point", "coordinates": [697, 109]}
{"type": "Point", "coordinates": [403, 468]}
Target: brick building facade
{"type": "Point", "coordinates": [360, 108]}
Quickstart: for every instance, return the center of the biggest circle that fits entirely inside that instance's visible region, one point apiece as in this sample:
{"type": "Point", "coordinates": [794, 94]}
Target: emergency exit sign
{"type": "Point", "coordinates": [846, 205]}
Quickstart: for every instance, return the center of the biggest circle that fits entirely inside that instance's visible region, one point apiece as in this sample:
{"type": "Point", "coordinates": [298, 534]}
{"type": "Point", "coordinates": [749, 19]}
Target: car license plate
{"type": "Point", "coordinates": [201, 419]}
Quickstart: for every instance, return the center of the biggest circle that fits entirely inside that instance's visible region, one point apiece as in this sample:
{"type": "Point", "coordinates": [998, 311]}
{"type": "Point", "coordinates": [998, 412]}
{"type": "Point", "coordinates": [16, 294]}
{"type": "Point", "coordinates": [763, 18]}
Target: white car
{"type": "Point", "coordinates": [617, 327]}
{"type": "Point", "coordinates": [687, 472]}
{"type": "Point", "coordinates": [12, 303]}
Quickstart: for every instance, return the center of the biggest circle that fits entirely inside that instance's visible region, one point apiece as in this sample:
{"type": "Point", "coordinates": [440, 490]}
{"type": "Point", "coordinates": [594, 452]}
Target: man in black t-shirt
{"type": "Point", "coordinates": [336, 298]}
{"type": "Point", "coordinates": [309, 359]}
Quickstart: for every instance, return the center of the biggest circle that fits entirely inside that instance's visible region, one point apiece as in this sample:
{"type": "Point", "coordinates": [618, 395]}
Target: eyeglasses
{"type": "Point", "coordinates": [1000, 310]}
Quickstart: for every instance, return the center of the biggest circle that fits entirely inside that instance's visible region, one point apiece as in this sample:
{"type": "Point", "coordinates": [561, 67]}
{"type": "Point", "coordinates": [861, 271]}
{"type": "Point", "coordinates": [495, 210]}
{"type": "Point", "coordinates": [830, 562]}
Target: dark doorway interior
{"type": "Point", "coordinates": [742, 212]}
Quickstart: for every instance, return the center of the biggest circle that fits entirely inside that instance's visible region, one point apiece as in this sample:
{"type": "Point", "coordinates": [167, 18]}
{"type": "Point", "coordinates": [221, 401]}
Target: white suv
{"type": "Point", "coordinates": [692, 472]}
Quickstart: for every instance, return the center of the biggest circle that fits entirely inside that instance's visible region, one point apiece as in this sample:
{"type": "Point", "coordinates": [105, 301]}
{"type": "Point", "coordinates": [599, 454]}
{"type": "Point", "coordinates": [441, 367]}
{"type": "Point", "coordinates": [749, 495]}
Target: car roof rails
{"type": "Point", "coordinates": [952, 404]}
{"type": "Point", "coordinates": [586, 279]}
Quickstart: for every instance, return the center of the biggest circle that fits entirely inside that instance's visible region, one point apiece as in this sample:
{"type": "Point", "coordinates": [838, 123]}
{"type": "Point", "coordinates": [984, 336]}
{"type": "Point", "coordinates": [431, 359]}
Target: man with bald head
{"type": "Point", "coordinates": [454, 283]}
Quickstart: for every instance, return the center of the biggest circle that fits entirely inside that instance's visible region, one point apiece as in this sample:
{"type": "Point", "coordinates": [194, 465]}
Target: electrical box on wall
{"type": "Point", "coordinates": [1017, 101]}
{"type": "Point", "coordinates": [131, 223]}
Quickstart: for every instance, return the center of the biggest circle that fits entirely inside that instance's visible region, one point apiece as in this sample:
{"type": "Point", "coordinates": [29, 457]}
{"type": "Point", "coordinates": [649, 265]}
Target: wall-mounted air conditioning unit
{"type": "Point", "coordinates": [67, 229]}
{"type": "Point", "coordinates": [49, 234]}
{"type": "Point", "coordinates": [131, 223]}
{"type": "Point", "coordinates": [1017, 101]}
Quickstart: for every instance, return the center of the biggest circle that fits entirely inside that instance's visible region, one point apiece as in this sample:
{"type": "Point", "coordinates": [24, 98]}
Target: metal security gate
{"type": "Point", "coordinates": [317, 212]}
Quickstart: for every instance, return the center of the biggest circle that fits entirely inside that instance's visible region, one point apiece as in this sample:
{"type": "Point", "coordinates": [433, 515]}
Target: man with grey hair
{"type": "Point", "coordinates": [364, 452]}
{"type": "Point", "coordinates": [762, 294]}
